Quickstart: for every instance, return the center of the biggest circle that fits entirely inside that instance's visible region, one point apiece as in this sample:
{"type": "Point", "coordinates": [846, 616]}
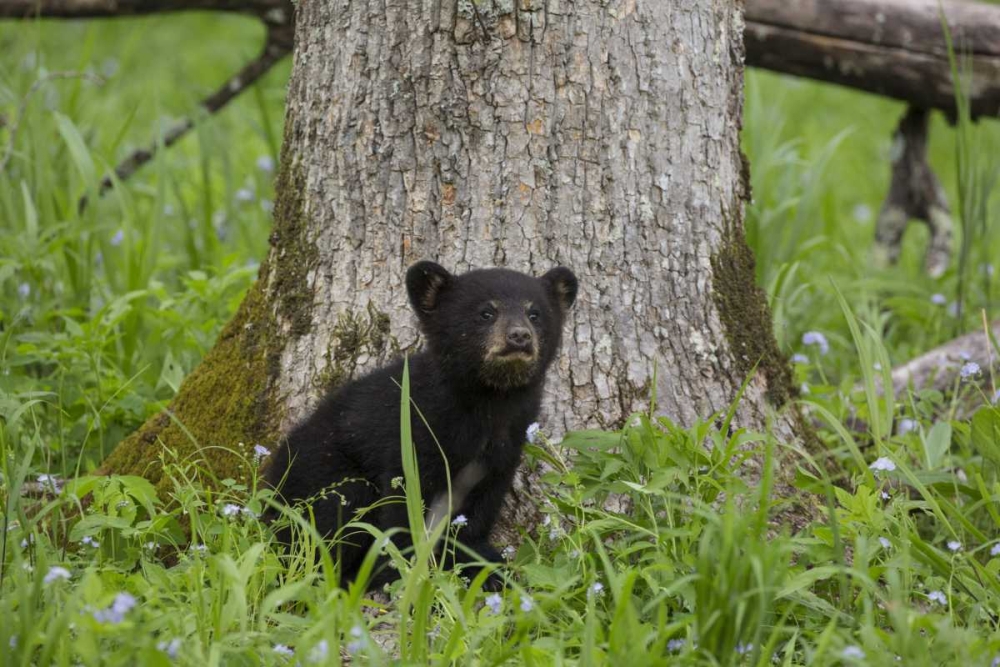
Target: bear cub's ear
{"type": "Point", "coordinates": [561, 284]}
{"type": "Point", "coordinates": [425, 281]}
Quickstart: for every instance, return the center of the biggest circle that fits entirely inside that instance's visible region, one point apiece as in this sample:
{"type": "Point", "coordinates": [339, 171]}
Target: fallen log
{"type": "Point", "coordinates": [941, 367]}
{"type": "Point", "coordinates": [894, 48]}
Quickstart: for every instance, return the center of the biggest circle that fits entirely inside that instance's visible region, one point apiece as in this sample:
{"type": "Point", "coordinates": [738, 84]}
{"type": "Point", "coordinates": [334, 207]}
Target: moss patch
{"type": "Point", "coordinates": [230, 397]}
{"type": "Point", "coordinates": [746, 317]}
{"type": "Point", "coordinates": [354, 335]}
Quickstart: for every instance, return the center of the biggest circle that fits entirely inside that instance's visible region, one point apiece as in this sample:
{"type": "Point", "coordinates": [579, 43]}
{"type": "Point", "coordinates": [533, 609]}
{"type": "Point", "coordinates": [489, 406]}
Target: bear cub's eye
{"type": "Point", "coordinates": [486, 315]}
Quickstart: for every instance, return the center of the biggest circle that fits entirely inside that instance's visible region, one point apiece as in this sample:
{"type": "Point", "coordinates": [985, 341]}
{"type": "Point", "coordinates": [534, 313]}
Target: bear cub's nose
{"type": "Point", "coordinates": [519, 336]}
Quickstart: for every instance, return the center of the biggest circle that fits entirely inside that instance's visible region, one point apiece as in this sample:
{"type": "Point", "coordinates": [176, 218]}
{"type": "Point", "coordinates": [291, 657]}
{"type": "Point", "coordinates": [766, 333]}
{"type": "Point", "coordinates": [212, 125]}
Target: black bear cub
{"type": "Point", "coordinates": [490, 335]}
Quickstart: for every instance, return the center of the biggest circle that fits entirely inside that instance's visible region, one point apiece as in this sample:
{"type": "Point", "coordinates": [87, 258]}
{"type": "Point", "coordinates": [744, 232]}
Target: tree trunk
{"type": "Point", "coordinates": [599, 135]}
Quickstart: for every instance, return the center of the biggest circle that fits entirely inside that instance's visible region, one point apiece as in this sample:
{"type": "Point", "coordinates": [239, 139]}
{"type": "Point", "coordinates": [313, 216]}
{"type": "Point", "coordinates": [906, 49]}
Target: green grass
{"type": "Point", "coordinates": [103, 313]}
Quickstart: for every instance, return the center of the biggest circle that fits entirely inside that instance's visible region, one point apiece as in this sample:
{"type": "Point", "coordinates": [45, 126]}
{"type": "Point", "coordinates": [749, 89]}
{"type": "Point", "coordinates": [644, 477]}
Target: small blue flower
{"type": "Point", "coordinates": [596, 589]}
{"type": "Point", "coordinates": [494, 602]}
{"type": "Point", "coordinates": [171, 648]}
{"type": "Point", "coordinates": [884, 542]}
{"type": "Point", "coordinates": [883, 463]}
{"type": "Point", "coordinates": [56, 573]}
{"type": "Point", "coordinates": [527, 604]}
{"type": "Point", "coordinates": [799, 358]}
{"type": "Point", "coordinates": [265, 163]}
{"type": "Point", "coordinates": [319, 651]}
{"type": "Point", "coordinates": [817, 339]}
{"type": "Point", "coordinates": [939, 299]}
{"type": "Point", "coordinates": [905, 425]}
{"type": "Point", "coordinates": [117, 239]}
{"type": "Point", "coordinates": [358, 642]}
{"type": "Point", "coordinates": [954, 546]}
{"type": "Point", "coordinates": [852, 653]}
{"type": "Point", "coordinates": [261, 451]}
{"type": "Point", "coordinates": [231, 510]}
{"type": "Point", "coordinates": [459, 520]}
{"type": "Point", "coordinates": [937, 596]}
{"type": "Point", "coordinates": [90, 541]}
{"type": "Point", "coordinates": [24, 290]}
{"type": "Point", "coordinates": [743, 649]}
{"type": "Point", "coordinates": [995, 551]}
{"type": "Point", "coordinates": [969, 370]}
{"type": "Point", "coordinates": [675, 645]}
{"type": "Point", "coordinates": [115, 614]}
{"type": "Point", "coordinates": [245, 195]}
{"type": "Point", "coordinates": [283, 650]}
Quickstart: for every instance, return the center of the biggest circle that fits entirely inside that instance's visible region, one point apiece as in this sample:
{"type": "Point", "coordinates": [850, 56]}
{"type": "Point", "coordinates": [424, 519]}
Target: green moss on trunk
{"type": "Point", "coordinates": [746, 317]}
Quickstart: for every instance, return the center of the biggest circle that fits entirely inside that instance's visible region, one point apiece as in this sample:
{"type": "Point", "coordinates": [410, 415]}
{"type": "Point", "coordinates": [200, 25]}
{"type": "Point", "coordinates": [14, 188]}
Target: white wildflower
{"type": "Point", "coordinates": [883, 463]}
{"type": "Point", "coordinates": [460, 520]}
{"type": "Point", "coordinates": [532, 433]}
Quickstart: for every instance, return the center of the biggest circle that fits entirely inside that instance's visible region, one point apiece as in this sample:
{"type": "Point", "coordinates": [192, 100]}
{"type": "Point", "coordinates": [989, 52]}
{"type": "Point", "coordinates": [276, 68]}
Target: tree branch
{"type": "Point", "coordinates": [277, 46]}
{"type": "Point", "coordinates": [83, 9]}
{"type": "Point", "coordinates": [895, 48]}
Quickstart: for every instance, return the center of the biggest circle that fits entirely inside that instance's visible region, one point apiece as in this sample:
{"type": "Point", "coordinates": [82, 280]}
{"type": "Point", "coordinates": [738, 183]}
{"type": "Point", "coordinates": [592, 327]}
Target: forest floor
{"type": "Point", "coordinates": [104, 311]}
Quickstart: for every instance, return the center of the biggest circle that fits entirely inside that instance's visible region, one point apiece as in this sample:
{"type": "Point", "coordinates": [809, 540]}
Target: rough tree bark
{"type": "Point", "coordinates": [599, 135]}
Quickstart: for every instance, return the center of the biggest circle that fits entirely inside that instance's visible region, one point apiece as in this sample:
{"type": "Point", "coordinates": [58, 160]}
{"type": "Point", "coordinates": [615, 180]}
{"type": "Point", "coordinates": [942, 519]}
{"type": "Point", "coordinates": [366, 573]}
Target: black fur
{"type": "Point", "coordinates": [490, 335]}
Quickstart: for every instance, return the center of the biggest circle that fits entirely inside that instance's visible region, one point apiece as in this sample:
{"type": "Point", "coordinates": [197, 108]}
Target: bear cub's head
{"type": "Point", "coordinates": [496, 326]}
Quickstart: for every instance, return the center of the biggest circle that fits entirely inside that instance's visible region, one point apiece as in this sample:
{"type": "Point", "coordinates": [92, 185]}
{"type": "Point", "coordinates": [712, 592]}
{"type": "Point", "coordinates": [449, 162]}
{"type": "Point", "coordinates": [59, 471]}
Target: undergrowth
{"type": "Point", "coordinates": [652, 551]}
